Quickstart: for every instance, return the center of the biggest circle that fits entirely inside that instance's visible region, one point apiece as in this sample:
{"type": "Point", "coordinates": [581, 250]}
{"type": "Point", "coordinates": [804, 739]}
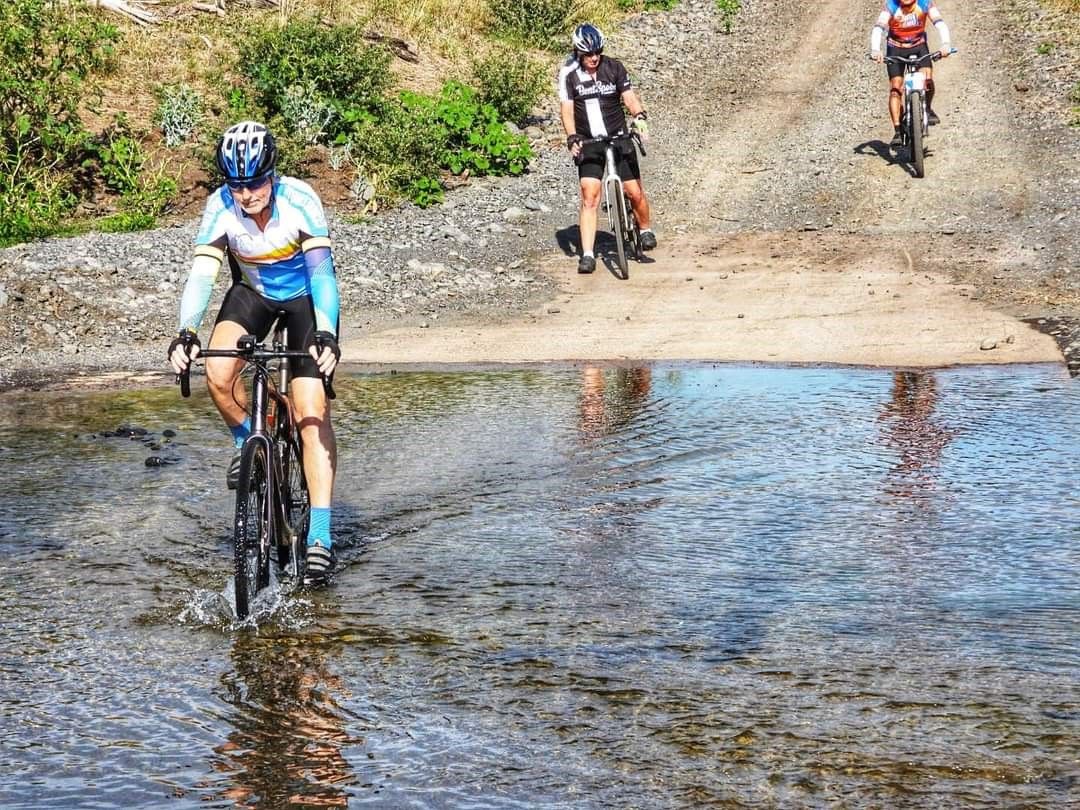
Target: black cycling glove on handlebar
{"type": "Point", "coordinates": [572, 139]}
{"type": "Point", "coordinates": [185, 338]}
{"type": "Point", "coordinates": [326, 340]}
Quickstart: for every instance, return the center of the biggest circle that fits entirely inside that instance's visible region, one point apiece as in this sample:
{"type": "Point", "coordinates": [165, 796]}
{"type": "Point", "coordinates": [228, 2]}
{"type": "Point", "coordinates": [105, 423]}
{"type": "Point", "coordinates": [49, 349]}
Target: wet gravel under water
{"type": "Point", "coordinates": [587, 587]}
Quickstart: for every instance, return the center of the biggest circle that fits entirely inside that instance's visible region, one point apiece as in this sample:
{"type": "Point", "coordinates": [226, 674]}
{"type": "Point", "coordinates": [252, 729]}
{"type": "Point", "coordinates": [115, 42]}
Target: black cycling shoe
{"type": "Point", "coordinates": [932, 117]}
{"type": "Point", "coordinates": [897, 140]}
{"type": "Point", "coordinates": [232, 477]}
{"type": "Point", "coordinates": [320, 564]}
{"type": "Point", "coordinates": [648, 240]}
{"type": "Point", "coordinates": [586, 264]}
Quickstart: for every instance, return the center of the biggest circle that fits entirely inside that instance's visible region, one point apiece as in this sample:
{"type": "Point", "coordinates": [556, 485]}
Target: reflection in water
{"type": "Point", "coordinates": [564, 589]}
{"type": "Point", "coordinates": [913, 432]}
{"type": "Point", "coordinates": [611, 397]}
{"type": "Point", "coordinates": [286, 746]}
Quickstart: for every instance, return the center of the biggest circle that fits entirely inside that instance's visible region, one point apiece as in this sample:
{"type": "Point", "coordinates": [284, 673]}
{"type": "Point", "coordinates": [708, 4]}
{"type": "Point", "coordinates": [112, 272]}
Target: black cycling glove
{"type": "Point", "coordinates": [187, 339]}
{"type": "Point", "coordinates": [326, 340]}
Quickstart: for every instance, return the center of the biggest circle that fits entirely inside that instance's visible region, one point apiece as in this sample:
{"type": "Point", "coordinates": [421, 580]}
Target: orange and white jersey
{"type": "Point", "coordinates": [906, 24]}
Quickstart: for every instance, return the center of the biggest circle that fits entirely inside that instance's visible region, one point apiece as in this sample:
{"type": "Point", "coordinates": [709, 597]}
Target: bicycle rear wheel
{"type": "Point", "coordinates": [619, 200]}
{"type": "Point", "coordinates": [294, 498]}
{"type": "Point", "coordinates": [253, 527]}
{"type": "Point", "coordinates": [918, 158]}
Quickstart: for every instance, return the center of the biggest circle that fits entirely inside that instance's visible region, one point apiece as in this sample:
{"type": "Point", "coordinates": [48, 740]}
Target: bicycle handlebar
{"type": "Point", "coordinates": [248, 349]}
{"type": "Point", "coordinates": [619, 136]}
{"type": "Point", "coordinates": [912, 60]}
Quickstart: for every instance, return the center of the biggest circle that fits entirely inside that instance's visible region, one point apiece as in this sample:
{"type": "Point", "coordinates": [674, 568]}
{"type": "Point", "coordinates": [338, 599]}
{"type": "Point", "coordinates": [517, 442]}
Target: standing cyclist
{"type": "Point", "coordinates": [904, 24]}
{"type": "Point", "coordinates": [592, 90]}
{"type": "Point", "coordinates": [273, 231]}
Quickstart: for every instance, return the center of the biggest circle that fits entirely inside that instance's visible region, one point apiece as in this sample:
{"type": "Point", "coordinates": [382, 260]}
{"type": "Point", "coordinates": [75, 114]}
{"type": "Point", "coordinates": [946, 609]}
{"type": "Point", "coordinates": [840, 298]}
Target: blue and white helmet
{"type": "Point", "coordinates": [588, 39]}
{"type": "Point", "coordinates": [246, 153]}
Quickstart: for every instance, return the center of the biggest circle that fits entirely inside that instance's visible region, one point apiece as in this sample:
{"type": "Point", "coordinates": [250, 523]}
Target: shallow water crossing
{"type": "Point", "coordinates": [603, 587]}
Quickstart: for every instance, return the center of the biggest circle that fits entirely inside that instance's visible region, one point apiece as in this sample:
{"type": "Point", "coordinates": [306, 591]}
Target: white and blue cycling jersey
{"type": "Point", "coordinates": [289, 258]}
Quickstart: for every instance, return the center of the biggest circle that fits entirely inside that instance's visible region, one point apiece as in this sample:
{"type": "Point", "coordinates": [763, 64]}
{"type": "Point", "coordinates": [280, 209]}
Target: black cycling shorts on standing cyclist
{"type": "Point", "coordinates": [591, 162]}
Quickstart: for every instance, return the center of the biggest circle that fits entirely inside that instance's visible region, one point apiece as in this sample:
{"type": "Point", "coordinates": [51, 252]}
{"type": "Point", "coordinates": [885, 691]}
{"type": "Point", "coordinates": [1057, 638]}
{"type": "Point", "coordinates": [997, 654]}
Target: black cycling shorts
{"type": "Point", "coordinates": [591, 162]}
{"type": "Point", "coordinates": [919, 50]}
{"type": "Point", "coordinates": [257, 314]}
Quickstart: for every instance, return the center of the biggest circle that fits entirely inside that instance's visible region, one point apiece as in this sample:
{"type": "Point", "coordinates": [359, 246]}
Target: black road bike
{"type": "Point", "coordinates": [621, 218]}
{"type": "Point", "coordinates": [272, 502]}
{"type": "Point", "coordinates": [913, 125]}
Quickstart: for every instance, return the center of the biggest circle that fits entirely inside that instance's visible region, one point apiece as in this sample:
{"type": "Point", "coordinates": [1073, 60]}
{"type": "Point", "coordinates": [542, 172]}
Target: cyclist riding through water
{"type": "Point", "coordinates": [592, 91]}
{"type": "Point", "coordinates": [903, 24]}
{"type": "Point", "coordinates": [273, 232]}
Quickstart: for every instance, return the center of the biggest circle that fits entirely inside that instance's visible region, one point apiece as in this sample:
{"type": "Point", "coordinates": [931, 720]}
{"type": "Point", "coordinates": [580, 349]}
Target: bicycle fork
{"type": "Point", "coordinates": [612, 187]}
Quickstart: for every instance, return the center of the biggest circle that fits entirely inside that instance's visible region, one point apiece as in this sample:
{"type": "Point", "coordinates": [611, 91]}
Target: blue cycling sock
{"type": "Point", "coordinates": [241, 432]}
{"type": "Point", "coordinates": [319, 527]}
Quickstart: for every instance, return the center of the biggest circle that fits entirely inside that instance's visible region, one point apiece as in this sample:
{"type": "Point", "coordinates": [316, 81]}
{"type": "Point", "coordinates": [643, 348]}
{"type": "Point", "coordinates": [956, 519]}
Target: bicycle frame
{"type": "Point", "coordinates": [279, 531]}
{"type": "Point", "coordinates": [621, 218]}
{"type": "Point", "coordinates": [914, 127]}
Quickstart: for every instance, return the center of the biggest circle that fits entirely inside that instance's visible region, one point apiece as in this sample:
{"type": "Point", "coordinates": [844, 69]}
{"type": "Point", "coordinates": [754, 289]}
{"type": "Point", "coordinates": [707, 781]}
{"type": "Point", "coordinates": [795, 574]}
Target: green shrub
{"type": "Point", "coordinates": [648, 5]}
{"type": "Point", "coordinates": [48, 53]}
{"type": "Point", "coordinates": [34, 198]}
{"type": "Point", "coordinates": [179, 113]}
{"type": "Point", "coordinates": [306, 113]}
{"type": "Point", "coordinates": [396, 147]}
{"type": "Point", "coordinates": [331, 63]}
{"type": "Point", "coordinates": [510, 81]}
{"type": "Point", "coordinates": [476, 138]}
{"type": "Point", "coordinates": [539, 23]}
{"type": "Point", "coordinates": [402, 147]}
{"type": "Point", "coordinates": [728, 9]}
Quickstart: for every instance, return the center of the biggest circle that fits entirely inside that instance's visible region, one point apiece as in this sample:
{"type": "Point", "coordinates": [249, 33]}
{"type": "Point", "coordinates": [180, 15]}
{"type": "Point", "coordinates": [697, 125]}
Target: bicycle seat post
{"type": "Point", "coordinates": [279, 345]}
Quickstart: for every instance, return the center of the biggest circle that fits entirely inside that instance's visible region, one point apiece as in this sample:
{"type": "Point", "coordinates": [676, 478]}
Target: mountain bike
{"type": "Point", "coordinates": [272, 502]}
{"type": "Point", "coordinates": [913, 125]}
{"type": "Point", "coordinates": [621, 218]}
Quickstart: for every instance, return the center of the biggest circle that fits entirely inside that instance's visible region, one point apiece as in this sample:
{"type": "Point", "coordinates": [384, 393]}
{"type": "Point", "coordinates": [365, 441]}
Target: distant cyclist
{"type": "Point", "coordinates": [592, 90]}
{"type": "Point", "coordinates": [903, 24]}
{"type": "Point", "coordinates": [273, 232]}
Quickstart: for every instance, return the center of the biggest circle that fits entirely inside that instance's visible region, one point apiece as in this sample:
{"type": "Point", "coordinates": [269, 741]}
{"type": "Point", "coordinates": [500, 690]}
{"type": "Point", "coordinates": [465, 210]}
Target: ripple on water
{"type": "Point", "coordinates": [659, 587]}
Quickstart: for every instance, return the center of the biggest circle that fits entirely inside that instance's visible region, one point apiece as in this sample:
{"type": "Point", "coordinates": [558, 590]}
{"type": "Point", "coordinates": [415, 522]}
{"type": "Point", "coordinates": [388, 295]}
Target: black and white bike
{"type": "Point", "coordinates": [621, 218]}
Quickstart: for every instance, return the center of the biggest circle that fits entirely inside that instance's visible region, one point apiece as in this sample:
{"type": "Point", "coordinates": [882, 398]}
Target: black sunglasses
{"type": "Point", "coordinates": [250, 185]}
{"type": "Point", "coordinates": [583, 54]}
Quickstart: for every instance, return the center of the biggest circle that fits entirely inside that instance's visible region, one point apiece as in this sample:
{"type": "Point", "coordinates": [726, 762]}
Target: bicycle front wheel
{"type": "Point", "coordinates": [918, 158]}
{"type": "Point", "coordinates": [253, 528]}
{"type": "Point", "coordinates": [294, 499]}
{"type": "Point", "coordinates": [633, 231]}
{"type": "Point", "coordinates": [620, 232]}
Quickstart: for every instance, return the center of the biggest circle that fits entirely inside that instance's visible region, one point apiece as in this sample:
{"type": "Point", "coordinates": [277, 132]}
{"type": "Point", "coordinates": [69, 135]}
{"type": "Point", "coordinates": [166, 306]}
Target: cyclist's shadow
{"type": "Point", "coordinates": [569, 240]}
{"type": "Point", "coordinates": [893, 157]}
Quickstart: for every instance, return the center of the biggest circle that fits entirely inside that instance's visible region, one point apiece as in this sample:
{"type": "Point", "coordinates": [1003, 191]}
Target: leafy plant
{"type": "Point", "coordinates": [476, 138]}
{"type": "Point", "coordinates": [179, 113]}
{"type": "Point", "coordinates": [305, 112]}
{"type": "Point", "coordinates": [330, 63]}
{"type": "Point", "coordinates": [728, 10]}
{"type": "Point", "coordinates": [510, 81]}
{"type": "Point", "coordinates": [1045, 48]}
{"type": "Point", "coordinates": [118, 157]}
{"type": "Point", "coordinates": [48, 54]}
{"type": "Point", "coordinates": [648, 5]}
{"type": "Point", "coordinates": [539, 23]}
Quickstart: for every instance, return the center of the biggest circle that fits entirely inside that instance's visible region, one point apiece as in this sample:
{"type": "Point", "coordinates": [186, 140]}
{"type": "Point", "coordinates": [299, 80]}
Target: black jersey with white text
{"type": "Point", "coordinates": [597, 99]}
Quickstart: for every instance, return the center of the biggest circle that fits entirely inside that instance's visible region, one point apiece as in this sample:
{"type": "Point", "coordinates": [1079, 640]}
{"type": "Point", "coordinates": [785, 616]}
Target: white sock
{"type": "Point", "coordinates": [587, 253]}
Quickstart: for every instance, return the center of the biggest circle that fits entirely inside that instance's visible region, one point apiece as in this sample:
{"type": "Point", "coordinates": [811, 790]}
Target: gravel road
{"type": "Point", "coordinates": [779, 126]}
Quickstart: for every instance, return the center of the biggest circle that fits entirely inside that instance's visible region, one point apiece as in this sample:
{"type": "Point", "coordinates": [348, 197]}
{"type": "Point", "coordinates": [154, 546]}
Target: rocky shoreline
{"type": "Point", "coordinates": [109, 301]}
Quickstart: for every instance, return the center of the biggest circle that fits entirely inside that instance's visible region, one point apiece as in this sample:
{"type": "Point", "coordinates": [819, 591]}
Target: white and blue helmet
{"type": "Point", "coordinates": [588, 39]}
{"type": "Point", "coordinates": [246, 153]}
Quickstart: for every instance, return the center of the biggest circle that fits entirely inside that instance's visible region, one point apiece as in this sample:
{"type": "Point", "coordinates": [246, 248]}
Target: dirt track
{"type": "Point", "coordinates": [791, 233]}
